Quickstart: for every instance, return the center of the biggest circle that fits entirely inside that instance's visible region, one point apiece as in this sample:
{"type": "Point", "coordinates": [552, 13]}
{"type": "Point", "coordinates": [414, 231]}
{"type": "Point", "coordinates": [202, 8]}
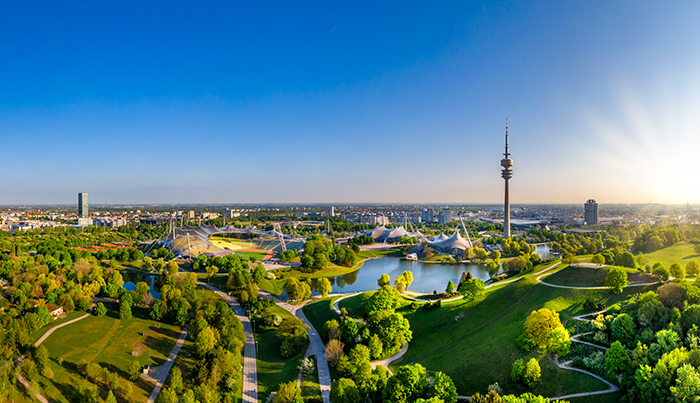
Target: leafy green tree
{"type": "Point", "coordinates": [493, 267]}
{"type": "Point", "coordinates": [211, 271]}
{"type": "Point", "coordinates": [100, 309]}
{"type": "Point", "coordinates": [480, 254]}
{"type": "Point", "coordinates": [156, 310]}
{"type": "Point", "coordinates": [386, 299]}
{"type": "Point", "coordinates": [539, 324]}
{"type": "Point", "coordinates": [558, 341]}
{"type": "Point", "coordinates": [660, 271]}
{"type": "Point", "coordinates": [172, 268]}
{"type": "Point", "coordinates": [468, 253]}
{"type": "Point", "coordinates": [623, 329]}
{"type": "Point", "coordinates": [518, 370]}
{"type": "Point", "coordinates": [472, 288]}
{"type": "Point", "coordinates": [323, 286]}
{"type": "Point", "coordinates": [617, 359]}
{"type": "Point", "coordinates": [598, 259]}
{"type": "Point", "coordinates": [141, 290]}
{"type": "Point", "coordinates": [124, 311]}
{"type": "Point", "coordinates": [495, 255]}
{"type": "Point", "coordinates": [134, 370]}
{"type": "Point", "coordinates": [616, 280]}
{"type": "Point", "coordinates": [687, 387]}
{"type": "Point", "coordinates": [532, 372]}
{"type": "Point", "coordinates": [443, 388]}
{"type": "Point", "coordinates": [376, 347]}
{"type": "Point", "coordinates": [384, 280]}
{"type": "Point", "coordinates": [677, 271]}
{"type": "Point", "coordinates": [111, 398]}
{"type": "Point", "coordinates": [692, 268]}
{"type": "Point", "coordinates": [205, 341]}
{"type": "Point", "coordinates": [288, 393]}
{"type": "Point", "coordinates": [696, 248]}
{"type": "Point", "coordinates": [344, 390]}
{"type": "Point", "coordinates": [627, 260]}
{"type": "Point", "coordinates": [450, 287]}
{"type": "Point", "coordinates": [409, 384]}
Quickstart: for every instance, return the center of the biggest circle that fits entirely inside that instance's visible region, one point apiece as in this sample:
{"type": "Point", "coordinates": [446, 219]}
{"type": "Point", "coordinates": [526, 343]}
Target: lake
{"type": "Point", "coordinates": [427, 277]}
{"type": "Point", "coordinates": [132, 277]}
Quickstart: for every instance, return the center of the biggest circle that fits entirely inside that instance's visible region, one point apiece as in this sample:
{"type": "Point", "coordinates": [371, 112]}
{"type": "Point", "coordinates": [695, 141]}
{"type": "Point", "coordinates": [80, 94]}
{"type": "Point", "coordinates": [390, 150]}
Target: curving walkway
{"type": "Point", "coordinates": [162, 371]}
{"type": "Point", "coordinates": [250, 369]}
{"type": "Point", "coordinates": [387, 361]}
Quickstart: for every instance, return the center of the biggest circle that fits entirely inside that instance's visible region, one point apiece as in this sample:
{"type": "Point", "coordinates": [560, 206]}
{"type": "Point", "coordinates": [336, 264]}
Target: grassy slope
{"type": "Point", "coordinates": [273, 369]}
{"type": "Point", "coordinates": [460, 337]}
{"type": "Point", "coordinates": [589, 277]}
{"type": "Point", "coordinates": [310, 388]}
{"type": "Point", "coordinates": [319, 312]}
{"type": "Point", "coordinates": [681, 252]}
{"type": "Point", "coordinates": [109, 342]}
{"type": "Point", "coordinates": [38, 333]}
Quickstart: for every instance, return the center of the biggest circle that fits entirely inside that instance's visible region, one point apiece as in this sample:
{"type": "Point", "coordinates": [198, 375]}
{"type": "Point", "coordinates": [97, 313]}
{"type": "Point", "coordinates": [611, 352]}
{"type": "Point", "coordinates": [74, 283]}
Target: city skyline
{"type": "Point", "coordinates": [320, 103]}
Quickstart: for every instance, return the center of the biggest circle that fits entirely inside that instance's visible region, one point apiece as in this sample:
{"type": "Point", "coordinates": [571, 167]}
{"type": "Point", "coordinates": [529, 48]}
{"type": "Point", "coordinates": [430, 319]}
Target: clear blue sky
{"type": "Point", "coordinates": [214, 102]}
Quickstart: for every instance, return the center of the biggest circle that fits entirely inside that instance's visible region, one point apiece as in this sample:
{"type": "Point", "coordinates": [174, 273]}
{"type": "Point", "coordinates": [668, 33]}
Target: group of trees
{"type": "Point", "coordinates": [654, 239]}
{"type": "Point", "coordinates": [319, 251]}
{"type": "Point", "coordinates": [654, 344]}
{"type": "Point", "coordinates": [544, 330]}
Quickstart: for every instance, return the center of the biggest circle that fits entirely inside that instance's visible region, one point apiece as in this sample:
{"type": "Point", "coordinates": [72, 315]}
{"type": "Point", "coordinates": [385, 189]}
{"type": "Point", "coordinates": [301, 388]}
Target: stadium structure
{"type": "Point", "coordinates": [452, 244]}
{"type": "Point", "coordinates": [189, 241]}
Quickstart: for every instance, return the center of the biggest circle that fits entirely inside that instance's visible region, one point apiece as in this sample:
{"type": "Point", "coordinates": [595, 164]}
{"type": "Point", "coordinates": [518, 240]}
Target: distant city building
{"type": "Point", "coordinates": [113, 222]}
{"type": "Point", "coordinates": [229, 213]}
{"type": "Point", "coordinates": [190, 214]}
{"type": "Point", "coordinates": [428, 215]}
{"type": "Point", "coordinates": [445, 216]}
{"type": "Point", "coordinates": [83, 205]}
{"type": "Point", "coordinates": [332, 211]}
{"type": "Point", "coordinates": [84, 221]}
{"type": "Point", "coordinates": [590, 212]}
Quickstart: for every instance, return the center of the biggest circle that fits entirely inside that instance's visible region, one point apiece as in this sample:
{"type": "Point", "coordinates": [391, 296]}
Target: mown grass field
{"type": "Point", "coordinates": [310, 388]}
{"type": "Point", "coordinates": [319, 312]}
{"type": "Point", "coordinates": [109, 342]}
{"type": "Point", "coordinates": [592, 277]}
{"type": "Point", "coordinates": [460, 337]}
{"type": "Point", "coordinates": [273, 369]}
{"type": "Point", "coordinates": [681, 253]}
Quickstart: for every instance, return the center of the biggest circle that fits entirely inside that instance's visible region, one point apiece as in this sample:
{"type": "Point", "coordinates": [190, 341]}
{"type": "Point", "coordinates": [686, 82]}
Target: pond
{"type": "Point", "coordinates": [133, 277]}
{"type": "Point", "coordinates": [427, 277]}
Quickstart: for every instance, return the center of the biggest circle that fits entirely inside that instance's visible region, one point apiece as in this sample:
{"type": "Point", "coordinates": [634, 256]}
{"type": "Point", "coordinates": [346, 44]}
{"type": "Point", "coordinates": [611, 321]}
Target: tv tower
{"type": "Point", "coordinates": [506, 174]}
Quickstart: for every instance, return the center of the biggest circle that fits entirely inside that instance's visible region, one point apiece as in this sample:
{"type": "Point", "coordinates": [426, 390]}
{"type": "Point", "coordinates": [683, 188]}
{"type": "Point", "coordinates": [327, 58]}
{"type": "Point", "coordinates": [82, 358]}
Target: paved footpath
{"type": "Point", "coordinates": [163, 370]}
{"type": "Point", "coordinates": [250, 370]}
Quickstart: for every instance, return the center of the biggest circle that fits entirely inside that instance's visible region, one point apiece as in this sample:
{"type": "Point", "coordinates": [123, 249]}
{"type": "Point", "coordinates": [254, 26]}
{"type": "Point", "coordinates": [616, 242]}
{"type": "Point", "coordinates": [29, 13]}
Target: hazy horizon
{"type": "Point", "coordinates": [320, 102]}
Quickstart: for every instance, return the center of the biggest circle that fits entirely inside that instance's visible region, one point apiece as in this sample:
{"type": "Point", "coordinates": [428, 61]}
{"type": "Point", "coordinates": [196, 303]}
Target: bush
{"type": "Point", "coordinates": [516, 373]}
{"type": "Point", "coordinates": [308, 366]}
{"type": "Point", "coordinates": [532, 372]}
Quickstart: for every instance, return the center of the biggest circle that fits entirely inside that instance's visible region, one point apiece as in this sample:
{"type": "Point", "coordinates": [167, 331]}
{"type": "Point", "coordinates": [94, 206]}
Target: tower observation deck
{"type": "Point", "coordinates": [506, 174]}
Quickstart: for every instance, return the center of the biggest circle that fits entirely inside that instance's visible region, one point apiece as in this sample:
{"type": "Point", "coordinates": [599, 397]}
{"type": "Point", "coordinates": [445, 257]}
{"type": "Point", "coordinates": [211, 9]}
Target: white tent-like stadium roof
{"type": "Point", "coordinates": [454, 242]}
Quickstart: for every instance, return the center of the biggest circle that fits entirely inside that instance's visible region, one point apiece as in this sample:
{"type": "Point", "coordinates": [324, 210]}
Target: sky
{"type": "Point", "coordinates": [348, 102]}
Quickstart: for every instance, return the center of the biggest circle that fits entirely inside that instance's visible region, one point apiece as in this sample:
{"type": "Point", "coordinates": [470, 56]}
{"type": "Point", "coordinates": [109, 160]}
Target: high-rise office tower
{"type": "Point", "coordinates": [82, 205]}
{"type": "Point", "coordinates": [506, 174]}
{"type": "Point", "coordinates": [590, 212]}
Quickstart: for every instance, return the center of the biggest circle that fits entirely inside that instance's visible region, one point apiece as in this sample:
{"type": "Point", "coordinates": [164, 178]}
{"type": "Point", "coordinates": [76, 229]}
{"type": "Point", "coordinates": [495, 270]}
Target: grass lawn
{"type": "Point", "coordinates": [257, 255]}
{"type": "Point", "coordinates": [681, 253]}
{"type": "Point", "coordinates": [273, 369]}
{"type": "Point", "coordinates": [319, 312]}
{"type": "Point", "coordinates": [109, 342]}
{"type": "Point", "coordinates": [590, 277]}
{"type": "Point", "coordinates": [208, 296]}
{"type": "Point", "coordinates": [356, 304]}
{"type": "Point", "coordinates": [275, 287]}
{"type": "Point", "coordinates": [606, 398]}
{"type": "Point", "coordinates": [40, 332]}
{"type": "Point", "coordinates": [460, 337]}
{"type": "Point", "coordinates": [218, 280]}
{"type": "Point", "coordinates": [394, 251]}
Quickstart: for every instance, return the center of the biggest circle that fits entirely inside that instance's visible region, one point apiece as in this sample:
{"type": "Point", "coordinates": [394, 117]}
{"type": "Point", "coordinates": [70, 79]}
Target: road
{"type": "Point", "coordinates": [250, 369]}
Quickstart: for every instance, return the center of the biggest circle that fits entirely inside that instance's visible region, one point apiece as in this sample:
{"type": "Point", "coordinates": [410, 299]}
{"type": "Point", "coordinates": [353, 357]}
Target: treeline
{"type": "Point", "coordinates": [319, 252]}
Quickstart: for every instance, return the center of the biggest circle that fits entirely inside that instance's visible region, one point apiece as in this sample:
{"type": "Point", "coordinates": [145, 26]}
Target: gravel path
{"type": "Point", "coordinates": [162, 371]}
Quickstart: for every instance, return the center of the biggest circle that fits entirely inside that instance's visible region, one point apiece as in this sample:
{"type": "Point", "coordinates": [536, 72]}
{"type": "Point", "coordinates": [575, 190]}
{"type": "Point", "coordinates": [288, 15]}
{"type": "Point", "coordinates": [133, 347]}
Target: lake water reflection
{"type": "Point", "coordinates": [132, 277]}
{"type": "Point", "coordinates": [427, 277]}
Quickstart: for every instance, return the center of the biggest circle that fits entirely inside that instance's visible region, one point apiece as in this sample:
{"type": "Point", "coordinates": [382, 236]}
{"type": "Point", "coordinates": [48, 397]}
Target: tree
{"type": "Point", "coordinates": [134, 370]}
{"type": "Point", "coordinates": [517, 371]}
{"type": "Point", "coordinates": [127, 389]}
{"type": "Point", "coordinates": [450, 287]}
{"type": "Point", "coordinates": [156, 313]}
{"type": "Point", "coordinates": [493, 267]}
{"type": "Point", "coordinates": [334, 350]}
{"type": "Point", "coordinates": [660, 271]}
{"type": "Point", "coordinates": [205, 341]}
{"type": "Point", "coordinates": [617, 359]}
{"type": "Point", "coordinates": [480, 254]}
{"type": "Point", "coordinates": [692, 268]}
{"type": "Point", "coordinates": [443, 388]}
{"type": "Point", "coordinates": [409, 383]}
{"type": "Point", "coordinates": [687, 387]}
{"type": "Point", "coordinates": [124, 311]}
{"type": "Point", "coordinates": [376, 347]}
{"type": "Point", "coordinates": [495, 255]}
{"type": "Point", "coordinates": [696, 248]}
{"type": "Point", "coordinates": [532, 372]}
{"type": "Point", "coordinates": [111, 398]}
{"type": "Point", "coordinates": [172, 268]}
{"type": "Point", "coordinates": [323, 286]}
{"type": "Point", "coordinates": [288, 393]}
{"type": "Point", "coordinates": [384, 280]}
{"type": "Point", "coordinates": [141, 290]}
{"type": "Point", "coordinates": [468, 252]}
{"type": "Point", "coordinates": [211, 270]}
{"type": "Point", "coordinates": [598, 259]}
{"type": "Point", "coordinates": [677, 271]}
{"type": "Point", "coordinates": [558, 341]}
{"type": "Point", "coordinates": [386, 299]}
{"type": "Point", "coordinates": [471, 288]}
{"type": "Point", "coordinates": [623, 329]}
{"type": "Point", "coordinates": [100, 309]}
{"type": "Point", "coordinates": [41, 356]}
{"type": "Point", "coordinates": [539, 324]}
{"type": "Point", "coordinates": [344, 390]}
{"type": "Point", "coordinates": [616, 280]}
{"type": "Point", "coordinates": [627, 260]}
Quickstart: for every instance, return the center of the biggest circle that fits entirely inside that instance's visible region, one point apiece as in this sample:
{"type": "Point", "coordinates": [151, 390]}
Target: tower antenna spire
{"type": "Point", "coordinates": [506, 154]}
{"type": "Point", "coordinates": [506, 174]}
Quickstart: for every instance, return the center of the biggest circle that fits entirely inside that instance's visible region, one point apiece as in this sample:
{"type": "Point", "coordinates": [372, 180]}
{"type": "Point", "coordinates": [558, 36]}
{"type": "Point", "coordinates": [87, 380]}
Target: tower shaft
{"type": "Point", "coordinates": [506, 174]}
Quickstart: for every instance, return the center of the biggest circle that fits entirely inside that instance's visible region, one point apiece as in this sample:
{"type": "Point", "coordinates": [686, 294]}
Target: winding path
{"type": "Point", "coordinates": [250, 369]}
{"type": "Point", "coordinates": [163, 370]}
